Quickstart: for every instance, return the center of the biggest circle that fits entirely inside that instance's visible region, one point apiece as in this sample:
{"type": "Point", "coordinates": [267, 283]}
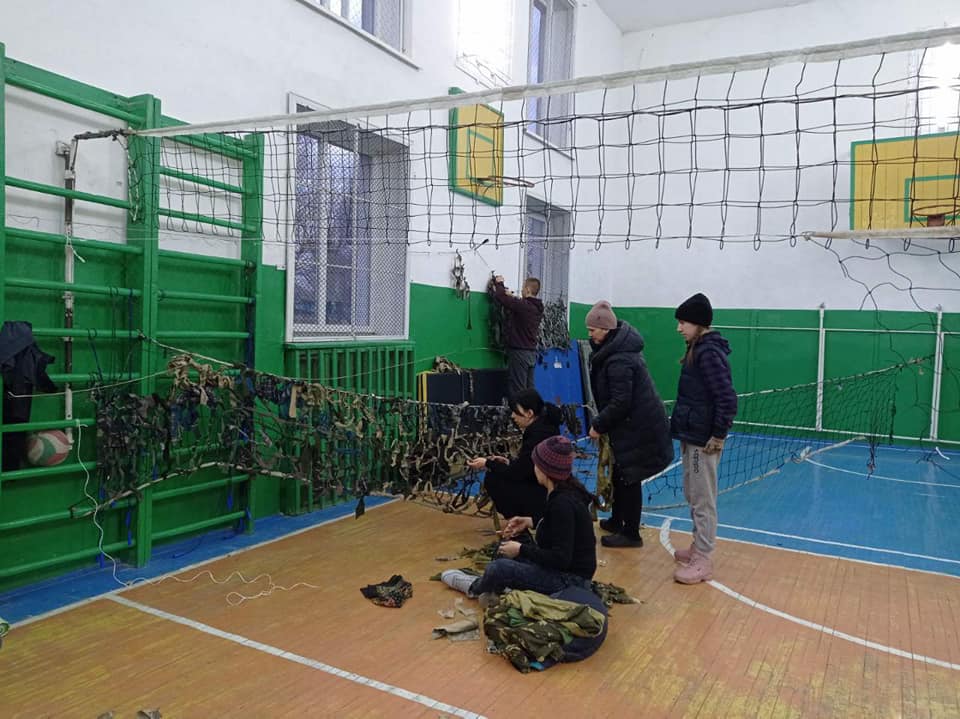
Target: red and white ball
{"type": "Point", "coordinates": [46, 449]}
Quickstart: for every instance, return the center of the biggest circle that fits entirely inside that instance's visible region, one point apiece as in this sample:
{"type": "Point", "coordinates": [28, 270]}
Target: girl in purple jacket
{"type": "Point", "coordinates": [702, 416]}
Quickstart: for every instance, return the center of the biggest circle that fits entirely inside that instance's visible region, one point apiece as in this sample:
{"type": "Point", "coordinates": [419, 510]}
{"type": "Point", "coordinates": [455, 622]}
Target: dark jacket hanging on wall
{"type": "Point", "coordinates": [24, 368]}
{"type": "Point", "coordinates": [630, 409]}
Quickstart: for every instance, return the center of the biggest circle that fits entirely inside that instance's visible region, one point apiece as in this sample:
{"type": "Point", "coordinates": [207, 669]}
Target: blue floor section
{"type": "Point", "coordinates": [904, 513]}
{"type": "Point", "coordinates": [34, 599]}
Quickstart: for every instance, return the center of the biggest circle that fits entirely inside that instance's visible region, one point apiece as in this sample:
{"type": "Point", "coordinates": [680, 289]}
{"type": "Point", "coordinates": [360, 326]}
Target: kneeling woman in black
{"type": "Point", "coordinates": [511, 484]}
{"type": "Point", "coordinates": [565, 551]}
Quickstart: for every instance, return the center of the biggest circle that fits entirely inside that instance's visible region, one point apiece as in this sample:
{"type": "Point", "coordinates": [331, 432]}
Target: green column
{"type": "Point", "coordinates": [143, 230]}
{"type": "Point", "coordinates": [251, 250]}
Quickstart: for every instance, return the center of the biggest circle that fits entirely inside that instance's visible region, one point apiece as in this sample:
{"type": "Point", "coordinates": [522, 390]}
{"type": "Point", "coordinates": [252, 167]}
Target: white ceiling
{"type": "Point", "coordinates": [632, 15]}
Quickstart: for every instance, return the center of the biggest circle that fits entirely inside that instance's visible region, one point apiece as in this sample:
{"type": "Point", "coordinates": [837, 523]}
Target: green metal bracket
{"type": "Point", "coordinates": [49, 84]}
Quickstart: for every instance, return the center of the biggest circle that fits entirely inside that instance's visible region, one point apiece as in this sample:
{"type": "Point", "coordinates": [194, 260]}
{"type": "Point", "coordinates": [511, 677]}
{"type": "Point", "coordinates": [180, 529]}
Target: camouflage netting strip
{"type": "Point", "coordinates": [340, 443]}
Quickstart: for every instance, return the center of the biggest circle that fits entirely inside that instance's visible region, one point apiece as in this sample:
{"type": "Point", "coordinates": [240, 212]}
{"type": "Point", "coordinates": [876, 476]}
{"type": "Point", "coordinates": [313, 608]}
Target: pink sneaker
{"type": "Point", "coordinates": [683, 555]}
{"type": "Point", "coordinates": [700, 569]}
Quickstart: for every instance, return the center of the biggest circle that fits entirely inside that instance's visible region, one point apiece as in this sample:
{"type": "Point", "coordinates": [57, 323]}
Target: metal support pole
{"type": "Point", "coordinates": [821, 364]}
{"type": "Point", "coordinates": [69, 155]}
{"type": "Point", "coordinates": [143, 230]}
{"type": "Point", "coordinates": [251, 251]}
{"type": "Point", "coordinates": [937, 378]}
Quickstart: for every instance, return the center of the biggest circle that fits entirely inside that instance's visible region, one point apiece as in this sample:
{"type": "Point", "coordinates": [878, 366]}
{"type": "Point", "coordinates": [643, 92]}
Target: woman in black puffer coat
{"type": "Point", "coordinates": [632, 414]}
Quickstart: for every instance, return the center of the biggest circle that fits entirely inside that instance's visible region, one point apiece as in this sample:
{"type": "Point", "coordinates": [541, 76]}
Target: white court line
{"type": "Point", "coordinates": [818, 541]}
{"type": "Point", "coordinates": [665, 542]}
{"type": "Point", "coordinates": [878, 476]}
{"type": "Point", "coordinates": [137, 582]}
{"type": "Point", "coordinates": [298, 659]}
{"type": "Point", "coordinates": [807, 552]}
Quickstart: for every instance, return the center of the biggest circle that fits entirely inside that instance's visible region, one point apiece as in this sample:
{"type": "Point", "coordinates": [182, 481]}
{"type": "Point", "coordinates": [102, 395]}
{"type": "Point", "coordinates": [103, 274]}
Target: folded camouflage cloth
{"type": "Point", "coordinates": [533, 631]}
{"type": "Point", "coordinates": [611, 594]}
{"type": "Point", "coordinates": [391, 593]}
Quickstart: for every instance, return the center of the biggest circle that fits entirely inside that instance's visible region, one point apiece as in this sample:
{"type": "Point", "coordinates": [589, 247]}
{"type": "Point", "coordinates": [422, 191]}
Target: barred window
{"type": "Point", "coordinates": [549, 58]}
{"type": "Point", "coordinates": [547, 248]}
{"type": "Point", "coordinates": [381, 18]}
{"type": "Point", "coordinates": [350, 231]}
{"type": "Point", "coordinates": [938, 74]}
{"type": "Point", "coordinates": [485, 40]}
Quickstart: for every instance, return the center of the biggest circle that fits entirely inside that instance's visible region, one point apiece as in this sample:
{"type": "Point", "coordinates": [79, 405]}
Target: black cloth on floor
{"type": "Point", "coordinates": [23, 366]}
{"type": "Point", "coordinates": [391, 593]}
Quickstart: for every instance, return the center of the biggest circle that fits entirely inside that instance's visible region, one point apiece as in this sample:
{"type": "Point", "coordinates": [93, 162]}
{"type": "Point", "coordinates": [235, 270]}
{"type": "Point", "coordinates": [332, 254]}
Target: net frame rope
{"type": "Point", "coordinates": [609, 81]}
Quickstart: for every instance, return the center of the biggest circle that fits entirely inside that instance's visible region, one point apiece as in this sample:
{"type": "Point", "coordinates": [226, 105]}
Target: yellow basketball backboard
{"type": "Point", "coordinates": [476, 153]}
{"type": "Point", "coordinates": [905, 181]}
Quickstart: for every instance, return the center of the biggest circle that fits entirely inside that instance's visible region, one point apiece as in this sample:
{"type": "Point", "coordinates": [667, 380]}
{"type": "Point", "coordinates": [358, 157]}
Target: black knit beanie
{"type": "Point", "coordinates": [697, 310]}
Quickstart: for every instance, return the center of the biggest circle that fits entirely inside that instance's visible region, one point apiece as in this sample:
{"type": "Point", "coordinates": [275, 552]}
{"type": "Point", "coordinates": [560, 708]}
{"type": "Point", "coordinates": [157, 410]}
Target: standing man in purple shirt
{"type": "Point", "coordinates": [522, 334]}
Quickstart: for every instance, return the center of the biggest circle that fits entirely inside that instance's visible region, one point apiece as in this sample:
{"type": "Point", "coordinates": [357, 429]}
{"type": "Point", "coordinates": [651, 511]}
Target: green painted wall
{"type": "Point", "coordinates": [442, 324]}
{"type": "Point", "coordinates": [856, 342]}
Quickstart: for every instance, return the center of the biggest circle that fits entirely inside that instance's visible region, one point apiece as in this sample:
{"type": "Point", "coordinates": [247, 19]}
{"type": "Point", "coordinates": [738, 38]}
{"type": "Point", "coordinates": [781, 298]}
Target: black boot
{"type": "Point", "coordinates": [621, 540]}
{"type": "Point", "coordinates": [611, 525]}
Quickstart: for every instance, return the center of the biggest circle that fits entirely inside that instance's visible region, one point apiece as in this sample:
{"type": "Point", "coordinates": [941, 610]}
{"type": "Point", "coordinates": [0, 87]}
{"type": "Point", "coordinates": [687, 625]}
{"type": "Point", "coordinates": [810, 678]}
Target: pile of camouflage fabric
{"type": "Point", "coordinates": [534, 631]}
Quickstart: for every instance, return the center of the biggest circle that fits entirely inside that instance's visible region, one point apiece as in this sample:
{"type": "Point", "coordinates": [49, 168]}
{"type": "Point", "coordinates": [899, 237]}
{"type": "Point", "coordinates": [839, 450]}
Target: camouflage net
{"type": "Point", "coordinates": [555, 327]}
{"type": "Point", "coordinates": [340, 444]}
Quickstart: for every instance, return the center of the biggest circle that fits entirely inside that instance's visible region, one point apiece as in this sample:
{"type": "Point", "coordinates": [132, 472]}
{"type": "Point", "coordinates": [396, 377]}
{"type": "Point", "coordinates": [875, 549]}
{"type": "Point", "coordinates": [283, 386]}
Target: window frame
{"type": "Point", "coordinates": [928, 102]}
{"type": "Point", "coordinates": [403, 53]}
{"type": "Point", "coordinates": [540, 127]}
{"type": "Point", "coordinates": [477, 71]}
{"type": "Point", "coordinates": [550, 216]}
{"type": "Point", "coordinates": [322, 331]}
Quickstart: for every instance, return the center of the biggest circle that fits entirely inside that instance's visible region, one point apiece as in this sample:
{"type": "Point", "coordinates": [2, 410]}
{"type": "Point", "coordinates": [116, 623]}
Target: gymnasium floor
{"type": "Point", "coordinates": [834, 595]}
{"type": "Point", "coordinates": [902, 514]}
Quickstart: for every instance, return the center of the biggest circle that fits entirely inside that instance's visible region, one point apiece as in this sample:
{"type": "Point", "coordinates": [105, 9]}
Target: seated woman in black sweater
{"type": "Point", "coordinates": [511, 484]}
{"type": "Point", "coordinates": [565, 551]}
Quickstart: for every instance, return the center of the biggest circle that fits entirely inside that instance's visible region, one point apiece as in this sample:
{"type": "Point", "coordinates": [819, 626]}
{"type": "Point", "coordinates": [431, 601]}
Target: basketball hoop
{"type": "Point", "coordinates": [503, 181]}
{"type": "Point", "coordinates": [933, 216]}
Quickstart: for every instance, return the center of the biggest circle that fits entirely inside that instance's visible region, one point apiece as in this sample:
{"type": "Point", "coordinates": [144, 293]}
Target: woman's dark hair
{"type": "Point", "coordinates": [572, 484]}
{"type": "Point", "coordinates": [531, 399]}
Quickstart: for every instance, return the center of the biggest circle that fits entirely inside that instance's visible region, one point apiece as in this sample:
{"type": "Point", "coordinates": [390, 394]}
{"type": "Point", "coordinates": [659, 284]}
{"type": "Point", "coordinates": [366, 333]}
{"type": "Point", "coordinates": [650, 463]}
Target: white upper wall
{"type": "Point", "coordinates": [778, 275]}
{"type": "Point", "coordinates": [813, 23]}
{"type": "Point", "coordinates": [222, 59]}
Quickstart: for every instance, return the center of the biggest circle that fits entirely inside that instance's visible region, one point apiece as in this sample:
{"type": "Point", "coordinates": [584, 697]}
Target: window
{"type": "Point", "coordinates": [549, 58]}
{"type": "Point", "coordinates": [485, 40]}
{"type": "Point", "coordinates": [381, 18]}
{"type": "Point", "coordinates": [940, 105]}
{"type": "Point", "coordinates": [547, 245]}
{"type": "Point", "coordinates": [349, 233]}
